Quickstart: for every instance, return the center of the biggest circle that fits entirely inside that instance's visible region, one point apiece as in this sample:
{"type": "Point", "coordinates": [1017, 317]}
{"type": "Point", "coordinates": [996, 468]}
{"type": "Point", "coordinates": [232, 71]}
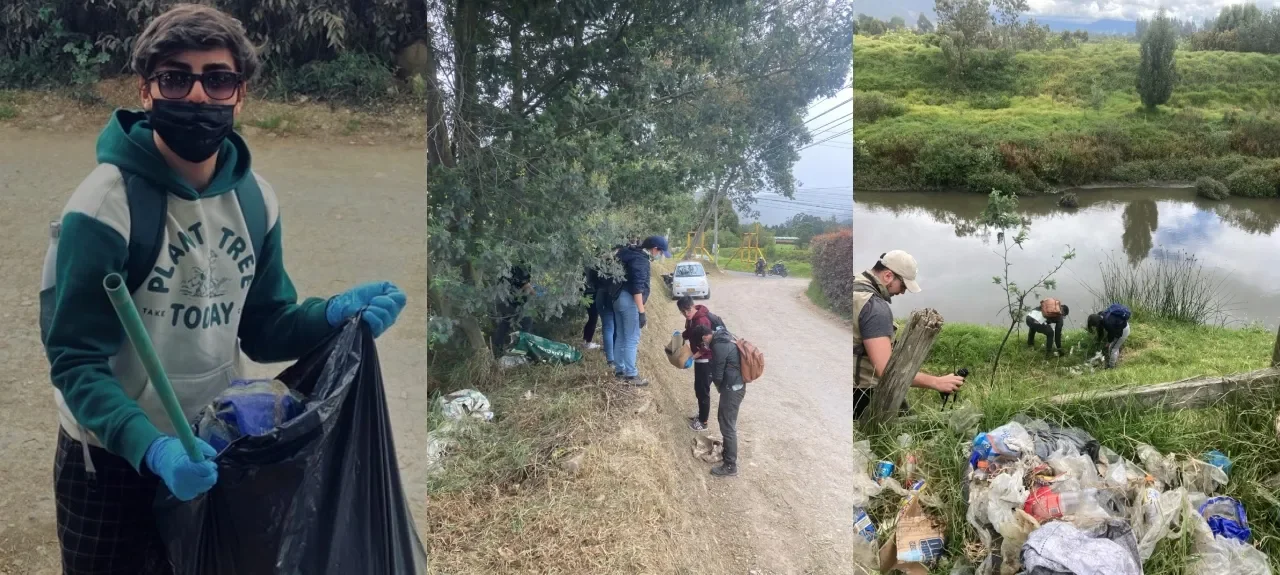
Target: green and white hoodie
{"type": "Point", "coordinates": [207, 297]}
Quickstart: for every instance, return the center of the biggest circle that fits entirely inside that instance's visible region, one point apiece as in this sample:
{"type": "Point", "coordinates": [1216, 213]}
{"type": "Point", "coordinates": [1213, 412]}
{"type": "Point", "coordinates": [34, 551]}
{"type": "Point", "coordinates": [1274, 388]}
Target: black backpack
{"type": "Point", "coordinates": [717, 324]}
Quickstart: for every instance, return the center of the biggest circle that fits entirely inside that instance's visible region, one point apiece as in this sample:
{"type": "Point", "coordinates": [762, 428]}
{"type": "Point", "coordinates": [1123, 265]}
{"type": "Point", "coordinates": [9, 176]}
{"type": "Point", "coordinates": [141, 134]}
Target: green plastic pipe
{"type": "Point", "coordinates": [122, 301]}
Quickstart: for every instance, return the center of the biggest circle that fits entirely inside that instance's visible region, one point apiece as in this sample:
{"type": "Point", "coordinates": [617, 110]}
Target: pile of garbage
{"type": "Point", "coordinates": [461, 406]}
{"type": "Point", "coordinates": [1051, 500]}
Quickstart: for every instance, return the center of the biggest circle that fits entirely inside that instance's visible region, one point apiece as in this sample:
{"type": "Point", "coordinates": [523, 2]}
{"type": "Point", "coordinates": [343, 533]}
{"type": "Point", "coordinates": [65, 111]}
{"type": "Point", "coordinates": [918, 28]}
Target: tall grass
{"type": "Point", "coordinates": [1169, 286]}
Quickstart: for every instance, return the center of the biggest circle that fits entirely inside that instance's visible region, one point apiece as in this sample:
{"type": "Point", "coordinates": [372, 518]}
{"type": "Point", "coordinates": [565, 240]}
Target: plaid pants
{"type": "Point", "coordinates": [105, 522]}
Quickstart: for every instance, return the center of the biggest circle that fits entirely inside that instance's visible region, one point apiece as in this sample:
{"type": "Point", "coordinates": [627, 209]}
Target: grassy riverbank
{"type": "Point", "coordinates": [1157, 351]}
{"type": "Point", "coordinates": [1037, 120]}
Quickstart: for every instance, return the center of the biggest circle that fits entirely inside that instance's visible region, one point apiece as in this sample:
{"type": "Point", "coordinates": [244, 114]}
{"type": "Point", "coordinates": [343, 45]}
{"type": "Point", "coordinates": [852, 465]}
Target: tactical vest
{"type": "Point", "coordinates": [865, 287]}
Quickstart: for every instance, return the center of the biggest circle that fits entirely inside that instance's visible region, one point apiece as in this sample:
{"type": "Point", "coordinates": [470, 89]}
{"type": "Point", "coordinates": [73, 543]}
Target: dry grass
{"type": "Point", "coordinates": [503, 504]}
{"type": "Point", "coordinates": [402, 122]}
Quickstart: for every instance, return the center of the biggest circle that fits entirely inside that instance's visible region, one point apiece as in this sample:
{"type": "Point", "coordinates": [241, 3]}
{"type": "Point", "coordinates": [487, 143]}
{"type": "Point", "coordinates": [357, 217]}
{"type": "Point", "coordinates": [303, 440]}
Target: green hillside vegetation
{"type": "Point", "coordinates": [1033, 121]}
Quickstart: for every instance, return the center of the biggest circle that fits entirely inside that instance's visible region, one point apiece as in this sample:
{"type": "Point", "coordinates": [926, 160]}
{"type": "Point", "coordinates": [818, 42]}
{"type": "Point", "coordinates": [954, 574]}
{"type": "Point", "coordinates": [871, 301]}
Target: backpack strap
{"type": "Point", "coordinates": [254, 209]}
{"type": "Point", "coordinates": [148, 210]}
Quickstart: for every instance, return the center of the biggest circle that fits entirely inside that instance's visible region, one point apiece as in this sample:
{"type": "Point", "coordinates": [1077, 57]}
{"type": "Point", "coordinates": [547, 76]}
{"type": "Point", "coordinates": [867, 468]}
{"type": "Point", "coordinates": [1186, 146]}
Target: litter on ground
{"type": "Point", "coordinates": [1045, 499]}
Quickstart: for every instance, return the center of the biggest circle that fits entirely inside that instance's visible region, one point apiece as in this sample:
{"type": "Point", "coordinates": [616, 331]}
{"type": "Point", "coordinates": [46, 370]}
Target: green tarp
{"type": "Point", "coordinates": [543, 350]}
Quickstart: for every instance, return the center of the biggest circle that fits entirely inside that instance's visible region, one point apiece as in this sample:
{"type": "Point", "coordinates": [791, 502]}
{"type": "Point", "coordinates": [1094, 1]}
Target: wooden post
{"type": "Point", "coordinates": [1193, 393]}
{"type": "Point", "coordinates": [909, 352]}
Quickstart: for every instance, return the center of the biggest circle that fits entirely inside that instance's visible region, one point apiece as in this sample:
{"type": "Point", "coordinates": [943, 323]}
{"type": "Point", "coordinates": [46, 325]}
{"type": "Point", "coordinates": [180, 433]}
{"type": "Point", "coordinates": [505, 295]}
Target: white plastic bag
{"type": "Point", "coordinates": [864, 487]}
{"type": "Point", "coordinates": [1153, 518]}
{"type": "Point", "coordinates": [1011, 440]}
{"type": "Point", "coordinates": [1075, 466]}
{"type": "Point", "coordinates": [1164, 468]}
{"type": "Point", "coordinates": [1201, 476]}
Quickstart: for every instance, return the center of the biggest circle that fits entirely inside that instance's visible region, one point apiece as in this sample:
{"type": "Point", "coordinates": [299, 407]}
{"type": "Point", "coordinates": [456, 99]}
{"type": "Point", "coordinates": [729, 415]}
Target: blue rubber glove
{"type": "Point", "coordinates": [381, 302]}
{"type": "Point", "coordinates": [186, 479]}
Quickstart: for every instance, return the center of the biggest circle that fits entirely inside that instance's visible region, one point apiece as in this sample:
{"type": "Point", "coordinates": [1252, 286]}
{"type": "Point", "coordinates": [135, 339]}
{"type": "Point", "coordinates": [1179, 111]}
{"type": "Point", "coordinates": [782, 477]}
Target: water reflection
{"type": "Point", "coordinates": [1141, 218]}
{"type": "Point", "coordinates": [1234, 239]}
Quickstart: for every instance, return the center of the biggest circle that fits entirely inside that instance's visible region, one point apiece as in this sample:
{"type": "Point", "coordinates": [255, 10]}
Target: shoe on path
{"type": "Point", "coordinates": [724, 470]}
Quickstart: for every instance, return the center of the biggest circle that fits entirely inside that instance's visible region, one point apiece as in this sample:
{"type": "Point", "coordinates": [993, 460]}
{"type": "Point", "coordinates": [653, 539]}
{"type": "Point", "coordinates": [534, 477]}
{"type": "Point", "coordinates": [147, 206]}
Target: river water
{"type": "Point", "coordinates": [1236, 242]}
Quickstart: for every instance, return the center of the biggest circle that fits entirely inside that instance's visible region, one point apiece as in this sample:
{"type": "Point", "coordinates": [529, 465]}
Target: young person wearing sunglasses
{"type": "Point", "coordinates": [175, 207]}
{"type": "Point", "coordinates": [873, 329]}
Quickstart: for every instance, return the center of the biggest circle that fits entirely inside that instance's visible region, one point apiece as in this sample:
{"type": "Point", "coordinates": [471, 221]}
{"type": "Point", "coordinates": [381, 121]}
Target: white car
{"type": "Point", "coordinates": [690, 279]}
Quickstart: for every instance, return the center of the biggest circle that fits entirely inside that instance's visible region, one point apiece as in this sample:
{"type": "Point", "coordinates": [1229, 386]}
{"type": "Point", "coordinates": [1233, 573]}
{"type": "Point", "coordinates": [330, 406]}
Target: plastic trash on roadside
{"type": "Point", "coordinates": [1098, 547]}
{"type": "Point", "coordinates": [1164, 468]}
{"type": "Point", "coordinates": [1226, 518]}
{"type": "Point", "coordinates": [1218, 459]}
{"type": "Point", "coordinates": [542, 350]}
{"type": "Point", "coordinates": [1217, 555]}
{"type": "Point", "coordinates": [1154, 516]}
{"type": "Point", "coordinates": [465, 403]}
{"type": "Point", "coordinates": [1201, 476]}
{"type": "Point", "coordinates": [320, 494]}
{"type": "Point", "coordinates": [512, 361]}
{"type": "Point", "coordinates": [250, 407]}
{"type": "Point", "coordinates": [1010, 440]}
{"type": "Point", "coordinates": [864, 487]}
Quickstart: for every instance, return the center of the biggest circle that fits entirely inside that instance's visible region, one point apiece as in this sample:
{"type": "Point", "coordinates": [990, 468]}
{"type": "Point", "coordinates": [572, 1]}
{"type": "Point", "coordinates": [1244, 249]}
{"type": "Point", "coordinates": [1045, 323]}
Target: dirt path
{"type": "Point", "coordinates": [350, 214]}
{"type": "Point", "coordinates": [789, 510]}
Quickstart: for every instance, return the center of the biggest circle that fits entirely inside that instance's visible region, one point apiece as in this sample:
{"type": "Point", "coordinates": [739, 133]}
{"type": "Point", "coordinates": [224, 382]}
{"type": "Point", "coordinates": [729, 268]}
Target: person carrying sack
{"type": "Point", "coordinates": [174, 207]}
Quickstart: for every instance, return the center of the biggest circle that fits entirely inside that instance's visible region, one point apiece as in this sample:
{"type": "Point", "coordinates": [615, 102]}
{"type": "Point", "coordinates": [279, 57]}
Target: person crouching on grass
{"type": "Point", "coordinates": [210, 296]}
{"type": "Point", "coordinates": [726, 374]}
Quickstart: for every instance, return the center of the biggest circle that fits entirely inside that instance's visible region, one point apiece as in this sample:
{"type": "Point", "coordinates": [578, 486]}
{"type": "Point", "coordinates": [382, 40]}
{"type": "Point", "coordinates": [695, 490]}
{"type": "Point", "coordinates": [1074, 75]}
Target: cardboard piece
{"type": "Point", "coordinates": [917, 544]}
{"type": "Point", "coordinates": [678, 352]}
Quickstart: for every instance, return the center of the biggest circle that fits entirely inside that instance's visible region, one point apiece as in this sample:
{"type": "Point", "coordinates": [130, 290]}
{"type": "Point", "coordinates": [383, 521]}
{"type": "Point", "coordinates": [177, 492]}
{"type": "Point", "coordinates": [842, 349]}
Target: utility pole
{"type": "Point", "coordinates": [715, 236]}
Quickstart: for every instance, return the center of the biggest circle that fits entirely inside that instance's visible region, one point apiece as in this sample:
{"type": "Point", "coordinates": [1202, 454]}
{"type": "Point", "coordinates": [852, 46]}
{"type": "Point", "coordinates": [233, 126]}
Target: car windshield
{"type": "Point", "coordinates": [689, 272]}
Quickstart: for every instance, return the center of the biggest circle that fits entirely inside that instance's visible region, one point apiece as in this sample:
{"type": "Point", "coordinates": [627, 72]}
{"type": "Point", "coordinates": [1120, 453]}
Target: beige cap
{"type": "Point", "coordinates": [901, 263]}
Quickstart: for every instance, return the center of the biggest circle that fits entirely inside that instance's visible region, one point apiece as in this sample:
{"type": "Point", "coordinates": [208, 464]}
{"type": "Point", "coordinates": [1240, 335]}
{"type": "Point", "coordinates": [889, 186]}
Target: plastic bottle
{"type": "Point", "coordinates": [909, 459]}
{"type": "Point", "coordinates": [1075, 502]}
{"type": "Point", "coordinates": [981, 449]}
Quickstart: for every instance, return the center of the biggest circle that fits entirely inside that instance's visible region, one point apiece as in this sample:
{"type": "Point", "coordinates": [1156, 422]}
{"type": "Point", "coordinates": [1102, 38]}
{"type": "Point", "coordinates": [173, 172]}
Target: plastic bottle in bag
{"type": "Point", "coordinates": [909, 459]}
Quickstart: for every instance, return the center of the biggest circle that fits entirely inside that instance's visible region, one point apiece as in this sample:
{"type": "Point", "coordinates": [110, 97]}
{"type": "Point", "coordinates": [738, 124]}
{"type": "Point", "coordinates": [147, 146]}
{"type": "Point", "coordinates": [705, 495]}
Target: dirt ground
{"type": "Point", "coordinates": [350, 214]}
{"type": "Point", "coordinates": [789, 510]}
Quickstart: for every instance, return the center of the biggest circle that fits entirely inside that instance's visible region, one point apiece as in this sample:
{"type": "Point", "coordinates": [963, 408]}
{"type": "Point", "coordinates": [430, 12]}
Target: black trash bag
{"type": "Point", "coordinates": [319, 495]}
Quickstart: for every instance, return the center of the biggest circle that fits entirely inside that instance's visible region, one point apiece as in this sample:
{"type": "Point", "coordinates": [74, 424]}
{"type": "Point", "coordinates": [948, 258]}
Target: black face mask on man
{"type": "Point", "coordinates": [193, 131]}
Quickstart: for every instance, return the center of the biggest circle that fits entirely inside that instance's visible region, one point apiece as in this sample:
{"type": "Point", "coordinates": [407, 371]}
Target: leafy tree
{"type": "Point", "coordinates": [871, 26]}
{"type": "Point", "coordinates": [897, 23]}
{"type": "Point", "coordinates": [1156, 72]}
{"type": "Point", "coordinates": [1001, 215]}
{"type": "Point", "coordinates": [557, 130]}
{"type": "Point", "coordinates": [923, 25]}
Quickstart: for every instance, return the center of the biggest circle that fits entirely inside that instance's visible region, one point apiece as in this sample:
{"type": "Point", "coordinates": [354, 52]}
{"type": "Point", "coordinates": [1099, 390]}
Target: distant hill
{"type": "Point", "coordinates": [1120, 27]}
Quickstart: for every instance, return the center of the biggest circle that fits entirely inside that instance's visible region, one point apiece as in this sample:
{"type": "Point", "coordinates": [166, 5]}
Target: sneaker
{"type": "Point", "coordinates": [590, 345]}
{"type": "Point", "coordinates": [696, 425]}
{"type": "Point", "coordinates": [634, 381]}
{"type": "Point", "coordinates": [724, 470]}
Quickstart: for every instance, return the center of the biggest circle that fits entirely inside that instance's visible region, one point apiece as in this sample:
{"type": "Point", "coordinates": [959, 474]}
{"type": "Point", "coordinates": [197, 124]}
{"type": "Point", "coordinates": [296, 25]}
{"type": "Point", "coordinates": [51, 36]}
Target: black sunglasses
{"type": "Point", "coordinates": [217, 84]}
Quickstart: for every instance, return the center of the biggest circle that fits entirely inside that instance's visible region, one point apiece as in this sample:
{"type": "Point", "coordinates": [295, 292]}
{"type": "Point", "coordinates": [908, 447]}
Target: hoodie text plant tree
{"type": "Point", "coordinates": [207, 297]}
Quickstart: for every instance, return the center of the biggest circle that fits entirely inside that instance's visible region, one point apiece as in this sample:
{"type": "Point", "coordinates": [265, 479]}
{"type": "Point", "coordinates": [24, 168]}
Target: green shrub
{"type": "Point", "coordinates": [984, 182]}
{"type": "Point", "coordinates": [1069, 200]}
{"type": "Point", "coordinates": [1255, 181]}
{"type": "Point", "coordinates": [1256, 135]}
{"type": "Point", "coordinates": [352, 78]}
{"type": "Point", "coordinates": [1212, 189]}
{"type": "Point", "coordinates": [832, 261]}
{"type": "Point", "coordinates": [871, 106]}
{"type": "Point", "coordinates": [948, 162]}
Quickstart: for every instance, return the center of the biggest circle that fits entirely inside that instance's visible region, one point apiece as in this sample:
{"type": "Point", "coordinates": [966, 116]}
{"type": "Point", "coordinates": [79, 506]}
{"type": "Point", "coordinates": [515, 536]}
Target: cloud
{"type": "Point", "coordinates": [1089, 10]}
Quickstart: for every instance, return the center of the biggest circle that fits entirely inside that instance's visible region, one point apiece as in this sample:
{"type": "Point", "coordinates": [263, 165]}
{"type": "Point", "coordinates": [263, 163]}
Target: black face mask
{"type": "Point", "coordinates": [193, 131]}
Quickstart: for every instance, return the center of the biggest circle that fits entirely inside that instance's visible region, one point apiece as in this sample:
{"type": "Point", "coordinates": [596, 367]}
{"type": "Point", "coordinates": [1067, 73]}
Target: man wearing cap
{"type": "Point", "coordinates": [873, 330]}
{"type": "Point", "coordinates": [628, 305]}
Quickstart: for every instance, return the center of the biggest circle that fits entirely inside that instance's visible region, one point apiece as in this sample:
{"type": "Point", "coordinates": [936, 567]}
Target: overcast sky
{"type": "Point", "coordinates": [824, 173]}
{"type": "Point", "coordinates": [1085, 10]}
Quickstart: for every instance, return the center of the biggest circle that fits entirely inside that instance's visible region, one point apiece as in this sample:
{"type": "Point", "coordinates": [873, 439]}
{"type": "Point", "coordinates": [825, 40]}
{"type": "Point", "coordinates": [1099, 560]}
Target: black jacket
{"type": "Point", "coordinates": [726, 364]}
{"type": "Point", "coordinates": [636, 264]}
